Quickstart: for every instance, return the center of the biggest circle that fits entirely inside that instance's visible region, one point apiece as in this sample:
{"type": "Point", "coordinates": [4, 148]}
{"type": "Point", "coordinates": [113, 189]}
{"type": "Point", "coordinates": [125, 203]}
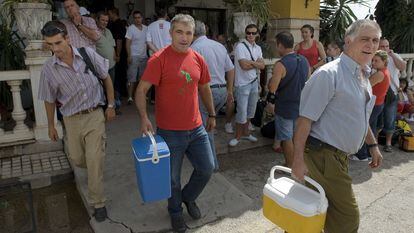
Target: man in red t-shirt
{"type": "Point", "coordinates": [179, 74]}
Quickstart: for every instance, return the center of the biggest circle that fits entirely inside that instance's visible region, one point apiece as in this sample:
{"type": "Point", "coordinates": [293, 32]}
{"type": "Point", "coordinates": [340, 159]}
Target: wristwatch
{"type": "Point", "coordinates": [111, 106]}
{"type": "Point", "coordinates": [372, 145]}
{"type": "Point", "coordinates": [77, 25]}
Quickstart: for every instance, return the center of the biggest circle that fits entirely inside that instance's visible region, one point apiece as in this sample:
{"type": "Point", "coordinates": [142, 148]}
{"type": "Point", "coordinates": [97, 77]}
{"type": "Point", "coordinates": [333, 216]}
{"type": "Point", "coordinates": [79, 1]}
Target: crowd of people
{"type": "Point", "coordinates": [331, 102]}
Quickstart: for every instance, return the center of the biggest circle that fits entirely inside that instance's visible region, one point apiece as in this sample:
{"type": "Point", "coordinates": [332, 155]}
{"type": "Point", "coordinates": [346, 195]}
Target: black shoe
{"type": "Point", "coordinates": [388, 148]}
{"type": "Point", "coordinates": [193, 210]}
{"type": "Point", "coordinates": [100, 214]}
{"type": "Point", "coordinates": [178, 224]}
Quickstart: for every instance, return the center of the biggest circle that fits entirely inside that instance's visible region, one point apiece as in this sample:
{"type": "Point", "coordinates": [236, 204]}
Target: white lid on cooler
{"type": "Point", "coordinates": [295, 196]}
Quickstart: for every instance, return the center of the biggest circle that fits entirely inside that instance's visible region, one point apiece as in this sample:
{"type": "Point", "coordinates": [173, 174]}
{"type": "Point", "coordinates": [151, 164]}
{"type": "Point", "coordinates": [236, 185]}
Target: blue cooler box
{"type": "Point", "coordinates": [152, 165]}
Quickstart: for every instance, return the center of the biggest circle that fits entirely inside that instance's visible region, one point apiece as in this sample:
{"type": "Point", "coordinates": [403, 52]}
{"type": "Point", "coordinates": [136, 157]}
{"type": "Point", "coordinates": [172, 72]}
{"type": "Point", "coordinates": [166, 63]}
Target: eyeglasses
{"type": "Point", "coordinates": [52, 30]}
{"type": "Point", "coordinates": [251, 33]}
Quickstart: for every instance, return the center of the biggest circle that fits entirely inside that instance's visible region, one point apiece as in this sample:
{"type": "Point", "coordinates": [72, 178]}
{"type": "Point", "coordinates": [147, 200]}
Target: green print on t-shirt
{"type": "Point", "coordinates": [188, 80]}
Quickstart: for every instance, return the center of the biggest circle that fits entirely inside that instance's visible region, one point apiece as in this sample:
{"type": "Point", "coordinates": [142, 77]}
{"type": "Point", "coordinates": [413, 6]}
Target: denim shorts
{"type": "Point", "coordinates": [246, 97]}
{"type": "Point", "coordinates": [136, 69]}
{"type": "Point", "coordinates": [284, 128]}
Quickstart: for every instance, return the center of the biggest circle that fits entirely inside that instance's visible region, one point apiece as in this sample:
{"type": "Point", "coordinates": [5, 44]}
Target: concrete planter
{"type": "Point", "coordinates": [241, 20]}
{"type": "Point", "coordinates": [30, 18]}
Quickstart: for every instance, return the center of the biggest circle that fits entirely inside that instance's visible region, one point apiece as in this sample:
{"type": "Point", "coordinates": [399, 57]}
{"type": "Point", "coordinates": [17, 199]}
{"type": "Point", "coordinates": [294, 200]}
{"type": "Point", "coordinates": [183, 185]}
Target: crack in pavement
{"type": "Point", "coordinates": [120, 223]}
{"type": "Point", "coordinates": [402, 179]}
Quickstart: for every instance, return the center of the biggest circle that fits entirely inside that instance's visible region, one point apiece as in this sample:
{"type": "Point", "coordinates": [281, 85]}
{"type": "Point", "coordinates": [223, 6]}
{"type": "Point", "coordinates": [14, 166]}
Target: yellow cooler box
{"type": "Point", "coordinates": [292, 206]}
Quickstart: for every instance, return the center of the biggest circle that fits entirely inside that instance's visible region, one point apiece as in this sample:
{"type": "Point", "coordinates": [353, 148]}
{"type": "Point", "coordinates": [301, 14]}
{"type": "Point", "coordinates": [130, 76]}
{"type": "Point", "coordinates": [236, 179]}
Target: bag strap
{"type": "Point", "coordinates": [251, 56]}
{"type": "Point", "coordinates": [89, 64]}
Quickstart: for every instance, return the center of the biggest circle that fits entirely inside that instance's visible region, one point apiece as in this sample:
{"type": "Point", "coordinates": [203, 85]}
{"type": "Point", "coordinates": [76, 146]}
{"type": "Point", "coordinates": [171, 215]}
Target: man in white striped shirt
{"type": "Point", "coordinates": [65, 78]}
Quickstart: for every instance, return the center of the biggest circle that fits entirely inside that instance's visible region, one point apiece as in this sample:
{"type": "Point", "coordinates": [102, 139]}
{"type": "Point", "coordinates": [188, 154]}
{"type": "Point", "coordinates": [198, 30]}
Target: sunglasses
{"type": "Point", "coordinates": [251, 33]}
{"type": "Point", "coordinates": [52, 30]}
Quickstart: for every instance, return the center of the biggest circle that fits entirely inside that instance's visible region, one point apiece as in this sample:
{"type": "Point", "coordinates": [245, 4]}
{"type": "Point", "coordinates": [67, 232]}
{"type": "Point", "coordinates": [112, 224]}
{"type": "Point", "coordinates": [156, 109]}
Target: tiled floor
{"type": "Point", "coordinates": [25, 165]}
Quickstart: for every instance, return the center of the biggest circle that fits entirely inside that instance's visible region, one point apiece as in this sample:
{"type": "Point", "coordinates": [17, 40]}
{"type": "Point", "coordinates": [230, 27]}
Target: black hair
{"type": "Point", "coordinates": [285, 38]}
{"type": "Point", "coordinates": [251, 26]}
{"type": "Point", "coordinates": [53, 28]}
{"type": "Point", "coordinates": [137, 12]}
{"type": "Point", "coordinates": [308, 26]}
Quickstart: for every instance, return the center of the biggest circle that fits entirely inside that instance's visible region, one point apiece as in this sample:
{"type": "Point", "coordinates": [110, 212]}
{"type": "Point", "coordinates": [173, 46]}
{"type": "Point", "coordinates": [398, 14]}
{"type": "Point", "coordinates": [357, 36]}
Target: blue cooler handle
{"type": "Point", "coordinates": [155, 159]}
{"type": "Point", "coordinates": [308, 179]}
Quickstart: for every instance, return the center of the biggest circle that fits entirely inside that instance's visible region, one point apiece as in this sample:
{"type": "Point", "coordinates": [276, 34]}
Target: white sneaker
{"type": "Point", "coordinates": [233, 142]}
{"type": "Point", "coordinates": [130, 101]}
{"type": "Point", "coordinates": [228, 128]}
{"type": "Point", "coordinates": [411, 119]}
{"type": "Point", "coordinates": [355, 158]}
{"type": "Point", "coordinates": [250, 138]}
{"type": "Point", "coordinates": [251, 127]}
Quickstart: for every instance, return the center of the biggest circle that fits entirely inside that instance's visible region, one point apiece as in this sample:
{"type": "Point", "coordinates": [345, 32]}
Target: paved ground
{"type": "Point", "coordinates": [232, 200]}
{"type": "Point", "coordinates": [385, 196]}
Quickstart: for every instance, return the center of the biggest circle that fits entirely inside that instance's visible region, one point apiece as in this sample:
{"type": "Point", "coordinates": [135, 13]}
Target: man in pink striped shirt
{"type": "Point", "coordinates": [82, 30]}
{"type": "Point", "coordinates": [66, 78]}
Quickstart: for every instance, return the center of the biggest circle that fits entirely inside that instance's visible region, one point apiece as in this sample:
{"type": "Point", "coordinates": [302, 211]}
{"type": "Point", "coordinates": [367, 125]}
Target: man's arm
{"type": "Point", "coordinates": [152, 47]}
{"type": "Point", "coordinates": [109, 88]}
{"type": "Point", "coordinates": [128, 49]}
{"type": "Point", "coordinates": [399, 63]}
{"type": "Point", "coordinates": [207, 98]}
{"type": "Point", "coordinates": [141, 104]}
{"type": "Point", "coordinates": [303, 127]}
{"type": "Point", "coordinates": [50, 113]}
{"type": "Point", "coordinates": [373, 149]}
{"type": "Point", "coordinates": [90, 33]}
{"type": "Point", "coordinates": [230, 85]}
{"type": "Point", "coordinates": [279, 72]}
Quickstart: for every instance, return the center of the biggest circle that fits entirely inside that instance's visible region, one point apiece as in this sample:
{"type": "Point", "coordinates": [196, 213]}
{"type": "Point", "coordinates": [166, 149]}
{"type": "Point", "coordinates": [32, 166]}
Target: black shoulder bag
{"type": "Point", "coordinates": [91, 67]}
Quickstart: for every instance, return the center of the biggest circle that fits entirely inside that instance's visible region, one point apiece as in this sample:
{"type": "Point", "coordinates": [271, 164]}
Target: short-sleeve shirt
{"type": "Point", "coordinates": [339, 101]}
{"type": "Point", "coordinates": [244, 77]}
{"type": "Point", "coordinates": [76, 36]}
{"type": "Point", "coordinates": [138, 40]}
{"type": "Point", "coordinates": [176, 77]}
{"type": "Point", "coordinates": [74, 87]}
{"type": "Point", "coordinates": [105, 47]}
{"type": "Point", "coordinates": [215, 54]}
{"type": "Point", "coordinates": [159, 33]}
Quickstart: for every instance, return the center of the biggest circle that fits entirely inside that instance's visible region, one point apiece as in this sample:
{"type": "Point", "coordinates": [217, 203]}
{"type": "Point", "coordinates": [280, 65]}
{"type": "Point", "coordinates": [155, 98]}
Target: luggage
{"type": "Point", "coordinates": [292, 206]}
{"type": "Point", "coordinates": [407, 143]}
{"type": "Point", "coordinates": [152, 166]}
{"type": "Point", "coordinates": [268, 130]}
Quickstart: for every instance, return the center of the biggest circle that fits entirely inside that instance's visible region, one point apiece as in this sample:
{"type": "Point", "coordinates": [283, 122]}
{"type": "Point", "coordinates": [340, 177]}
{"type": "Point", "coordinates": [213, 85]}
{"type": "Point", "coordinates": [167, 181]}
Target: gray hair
{"type": "Point", "coordinates": [200, 29]}
{"type": "Point", "coordinates": [184, 19]}
{"type": "Point", "coordinates": [353, 30]}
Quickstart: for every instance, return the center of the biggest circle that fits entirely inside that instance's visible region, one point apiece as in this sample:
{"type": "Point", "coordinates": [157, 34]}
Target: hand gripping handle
{"type": "Point", "coordinates": [308, 179]}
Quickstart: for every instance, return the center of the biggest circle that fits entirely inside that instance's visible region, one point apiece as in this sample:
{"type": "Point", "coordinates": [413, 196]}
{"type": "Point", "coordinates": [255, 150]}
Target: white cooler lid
{"type": "Point", "coordinates": [295, 196]}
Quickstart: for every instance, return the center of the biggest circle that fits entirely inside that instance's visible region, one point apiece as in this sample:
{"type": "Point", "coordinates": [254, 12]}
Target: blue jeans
{"type": "Point", "coordinates": [194, 143]}
{"type": "Point", "coordinates": [111, 73]}
{"type": "Point", "coordinates": [387, 118]}
{"type": "Point", "coordinates": [373, 122]}
{"type": "Point", "coordinates": [219, 99]}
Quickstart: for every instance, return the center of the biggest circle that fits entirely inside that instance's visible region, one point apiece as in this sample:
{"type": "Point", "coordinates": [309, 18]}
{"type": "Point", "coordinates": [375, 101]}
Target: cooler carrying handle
{"type": "Point", "coordinates": [155, 159]}
{"type": "Point", "coordinates": [308, 179]}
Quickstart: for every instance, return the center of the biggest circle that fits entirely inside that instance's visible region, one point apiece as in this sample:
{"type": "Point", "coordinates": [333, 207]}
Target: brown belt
{"type": "Point", "coordinates": [86, 111]}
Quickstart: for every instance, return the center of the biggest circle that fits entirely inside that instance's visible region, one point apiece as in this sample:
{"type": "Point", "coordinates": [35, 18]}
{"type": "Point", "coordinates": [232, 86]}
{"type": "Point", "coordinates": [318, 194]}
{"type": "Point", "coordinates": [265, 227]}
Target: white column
{"type": "Point", "coordinates": [18, 114]}
{"type": "Point", "coordinates": [40, 128]}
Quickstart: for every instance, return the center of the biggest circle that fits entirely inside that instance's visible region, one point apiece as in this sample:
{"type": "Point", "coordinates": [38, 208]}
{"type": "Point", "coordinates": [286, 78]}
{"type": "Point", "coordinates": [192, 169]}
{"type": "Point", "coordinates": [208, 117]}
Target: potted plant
{"type": "Point", "coordinates": [248, 12]}
{"type": "Point", "coordinates": [30, 16]}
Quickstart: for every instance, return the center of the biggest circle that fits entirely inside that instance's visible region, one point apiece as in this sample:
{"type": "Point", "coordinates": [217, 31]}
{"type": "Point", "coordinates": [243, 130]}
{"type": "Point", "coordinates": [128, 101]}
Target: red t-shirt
{"type": "Point", "coordinates": [311, 54]}
{"type": "Point", "coordinates": [176, 77]}
{"type": "Point", "coordinates": [380, 89]}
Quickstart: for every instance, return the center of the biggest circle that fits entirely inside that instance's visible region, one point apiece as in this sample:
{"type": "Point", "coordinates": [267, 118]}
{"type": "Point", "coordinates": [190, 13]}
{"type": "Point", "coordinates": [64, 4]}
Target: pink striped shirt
{"type": "Point", "coordinates": [74, 88]}
{"type": "Point", "coordinates": [77, 38]}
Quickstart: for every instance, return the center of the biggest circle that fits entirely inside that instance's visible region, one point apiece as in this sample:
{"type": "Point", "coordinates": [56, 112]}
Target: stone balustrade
{"type": "Point", "coordinates": [20, 131]}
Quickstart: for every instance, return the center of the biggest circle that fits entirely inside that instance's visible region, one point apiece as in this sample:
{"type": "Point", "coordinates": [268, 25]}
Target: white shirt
{"type": "Point", "coordinates": [395, 74]}
{"type": "Point", "coordinates": [215, 54]}
{"type": "Point", "coordinates": [137, 37]}
{"type": "Point", "coordinates": [244, 77]}
{"type": "Point", "coordinates": [159, 33]}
